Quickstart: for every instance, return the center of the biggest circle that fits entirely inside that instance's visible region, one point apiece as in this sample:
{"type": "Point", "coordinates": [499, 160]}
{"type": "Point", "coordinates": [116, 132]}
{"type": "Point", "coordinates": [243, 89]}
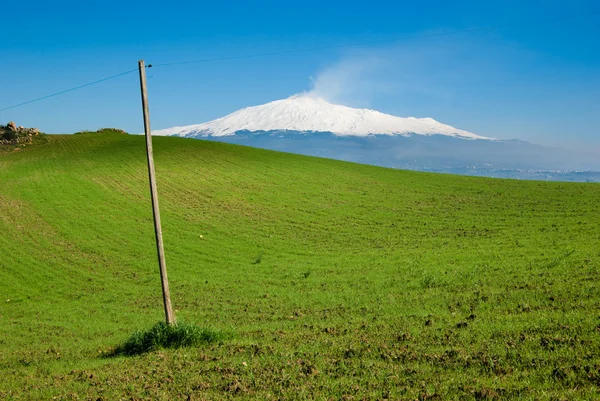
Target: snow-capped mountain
{"type": "Point", "coordinates": [305, 113]}
{"type": "Point", "coordinates": [308, 125]}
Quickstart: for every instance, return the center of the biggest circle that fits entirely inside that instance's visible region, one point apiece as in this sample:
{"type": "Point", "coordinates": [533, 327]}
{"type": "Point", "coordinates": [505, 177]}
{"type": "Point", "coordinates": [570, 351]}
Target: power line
{"type": "Point", "coordinates": [562, 18]}
{"type": "Point", "coordinates": [69, 90]}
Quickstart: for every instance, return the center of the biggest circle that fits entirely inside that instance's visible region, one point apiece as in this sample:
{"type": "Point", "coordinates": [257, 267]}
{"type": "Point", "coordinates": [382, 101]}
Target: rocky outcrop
{"type": "Point", "coordinates": [10, 134]}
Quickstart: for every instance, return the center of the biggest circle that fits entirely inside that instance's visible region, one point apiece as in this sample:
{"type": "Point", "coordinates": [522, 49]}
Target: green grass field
{"type": "Point", "coordinates": [334, 280]}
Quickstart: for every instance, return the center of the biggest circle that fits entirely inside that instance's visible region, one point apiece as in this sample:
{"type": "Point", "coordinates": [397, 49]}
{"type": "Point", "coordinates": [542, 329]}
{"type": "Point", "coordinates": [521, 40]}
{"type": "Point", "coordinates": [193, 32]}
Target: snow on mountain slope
{"type": "Point", "coordinates": [307, 113]}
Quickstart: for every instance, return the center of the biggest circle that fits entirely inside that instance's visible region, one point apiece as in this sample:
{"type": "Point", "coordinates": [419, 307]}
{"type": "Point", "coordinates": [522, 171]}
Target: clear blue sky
{"type": "Point", "coordinates": [538, 81]}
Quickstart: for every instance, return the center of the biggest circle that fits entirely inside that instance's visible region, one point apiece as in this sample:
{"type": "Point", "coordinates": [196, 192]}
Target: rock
{"type": "Point", "coordinates": [31, 131]}
{"type": "Point", "coordinates": [10, 133]}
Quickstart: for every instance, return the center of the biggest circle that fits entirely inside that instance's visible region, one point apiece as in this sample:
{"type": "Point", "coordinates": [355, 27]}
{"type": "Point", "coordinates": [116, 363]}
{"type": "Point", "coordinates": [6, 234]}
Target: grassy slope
{"type": "Point", "coordinates": [339, 280]}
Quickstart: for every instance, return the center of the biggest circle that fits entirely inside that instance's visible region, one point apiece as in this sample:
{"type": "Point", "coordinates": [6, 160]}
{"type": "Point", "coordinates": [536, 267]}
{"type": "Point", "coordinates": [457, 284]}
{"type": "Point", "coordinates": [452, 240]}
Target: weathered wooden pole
{"type": "Point", "coordinates": [154, 195]}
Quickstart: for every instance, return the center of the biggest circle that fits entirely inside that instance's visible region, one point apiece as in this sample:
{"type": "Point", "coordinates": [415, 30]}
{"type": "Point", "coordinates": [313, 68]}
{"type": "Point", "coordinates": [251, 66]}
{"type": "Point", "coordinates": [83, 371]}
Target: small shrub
{"type": "Point", "coordinates": [428, 281]}
{"type": "Point", "coordinates": [10, 135]}
{"type": "Point", "coordinates": [162, 335]}
{"type": "Point", "coordinates": [258, 259]}
{"type": "Point", "coordinates": [111, 131]}
{"type": "Point", "coordinates": [103, 131]}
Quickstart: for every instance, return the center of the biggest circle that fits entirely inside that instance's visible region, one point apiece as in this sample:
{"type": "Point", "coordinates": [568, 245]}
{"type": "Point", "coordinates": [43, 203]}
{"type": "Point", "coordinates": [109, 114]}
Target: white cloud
{"type": "Point", "coordinates": [352, 80]}
{"type": "Point", "coordinates": [361, 77]}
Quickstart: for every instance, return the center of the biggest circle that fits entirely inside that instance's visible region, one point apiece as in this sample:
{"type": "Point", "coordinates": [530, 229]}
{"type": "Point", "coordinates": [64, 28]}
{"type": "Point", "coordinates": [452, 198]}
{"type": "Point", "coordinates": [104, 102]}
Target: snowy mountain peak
{"type": "Point", "coordinates": [306, 113]}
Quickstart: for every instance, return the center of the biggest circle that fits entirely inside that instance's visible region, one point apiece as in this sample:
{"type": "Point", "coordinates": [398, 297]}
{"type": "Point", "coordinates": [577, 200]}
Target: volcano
{"type": "Point", "coordinates": [310, 125]}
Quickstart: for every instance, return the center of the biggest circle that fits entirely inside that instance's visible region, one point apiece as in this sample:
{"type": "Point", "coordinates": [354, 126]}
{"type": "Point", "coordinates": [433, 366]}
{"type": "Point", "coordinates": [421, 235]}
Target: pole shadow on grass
{"type": "Point", "coordinates": [162, 335]}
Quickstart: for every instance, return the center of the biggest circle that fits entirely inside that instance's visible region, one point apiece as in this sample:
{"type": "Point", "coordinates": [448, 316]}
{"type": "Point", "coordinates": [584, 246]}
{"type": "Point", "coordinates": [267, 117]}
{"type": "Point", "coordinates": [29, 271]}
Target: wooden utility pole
{"type": "Point", "coordinates": [154, 195]}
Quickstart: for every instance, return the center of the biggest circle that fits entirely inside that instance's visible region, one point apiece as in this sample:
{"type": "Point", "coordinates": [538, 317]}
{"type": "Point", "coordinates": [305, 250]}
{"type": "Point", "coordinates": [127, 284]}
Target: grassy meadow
{"type": "Point", "coordinates": [331, 280]}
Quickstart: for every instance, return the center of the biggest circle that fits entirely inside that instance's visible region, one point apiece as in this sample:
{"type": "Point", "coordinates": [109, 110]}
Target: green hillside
{"type": "Point", "coordinates": [337, 280]}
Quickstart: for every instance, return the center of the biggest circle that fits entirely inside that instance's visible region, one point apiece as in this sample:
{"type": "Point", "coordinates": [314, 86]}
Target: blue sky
{"type": "Point", "coordinates": [534, 81]}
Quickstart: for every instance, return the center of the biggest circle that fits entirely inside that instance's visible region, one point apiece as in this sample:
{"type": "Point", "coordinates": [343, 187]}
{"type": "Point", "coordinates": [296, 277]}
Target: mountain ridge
{"type": "Point", "coordinates": [309, 125]}
{"type": "Point", "coordinates": [306, 113]}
